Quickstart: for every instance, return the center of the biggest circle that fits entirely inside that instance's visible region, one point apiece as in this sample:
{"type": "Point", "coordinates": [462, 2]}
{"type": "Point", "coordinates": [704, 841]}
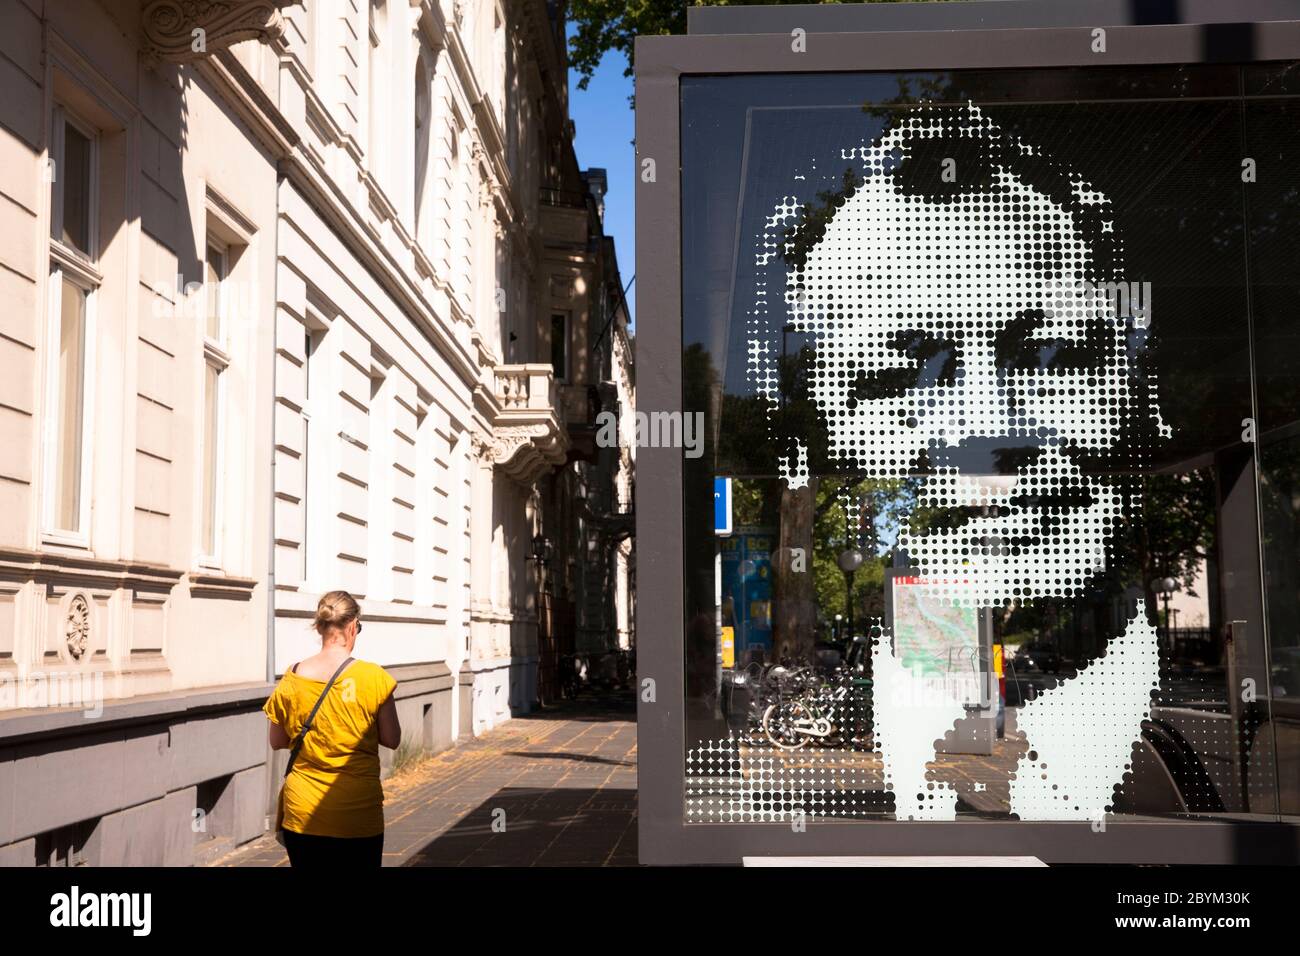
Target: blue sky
{"type": "Point", "coordinates": [604, 130]}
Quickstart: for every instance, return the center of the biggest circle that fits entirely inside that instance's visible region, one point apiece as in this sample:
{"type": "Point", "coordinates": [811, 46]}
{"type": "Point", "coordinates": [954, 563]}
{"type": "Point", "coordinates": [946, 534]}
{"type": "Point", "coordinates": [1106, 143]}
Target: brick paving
{"type": "Point", "coordinates": [556, 788]}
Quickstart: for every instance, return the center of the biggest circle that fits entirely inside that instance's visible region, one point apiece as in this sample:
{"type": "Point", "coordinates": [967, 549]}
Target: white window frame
{"type": "Point", "coordinates": [217, 356]}
{"type": "Point", "coordinates": [64, 261]}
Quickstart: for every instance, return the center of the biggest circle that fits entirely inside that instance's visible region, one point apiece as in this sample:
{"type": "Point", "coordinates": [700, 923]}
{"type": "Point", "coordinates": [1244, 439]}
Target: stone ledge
{"type": "Point", "coordinates": [416, 679]}
{"type": "Point", "coordinates": [18, 725]}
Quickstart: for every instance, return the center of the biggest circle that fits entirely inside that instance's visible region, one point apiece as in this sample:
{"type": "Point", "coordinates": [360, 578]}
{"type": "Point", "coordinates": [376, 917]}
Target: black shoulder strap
{"type": "Point", "coordinates": [297, 743]}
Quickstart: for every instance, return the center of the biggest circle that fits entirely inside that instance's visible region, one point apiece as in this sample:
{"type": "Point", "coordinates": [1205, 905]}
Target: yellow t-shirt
{"type": "Point", "coordinates": [333, 789]}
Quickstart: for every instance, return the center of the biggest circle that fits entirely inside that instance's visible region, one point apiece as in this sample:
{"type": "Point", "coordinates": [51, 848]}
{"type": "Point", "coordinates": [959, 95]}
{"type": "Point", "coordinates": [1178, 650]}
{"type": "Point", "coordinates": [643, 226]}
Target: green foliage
{"type": "Point", "coordinates": [800, 240]}
{"type": "Point", "coordinates": [752, 505]}
{"type": "Point", "coordinates": [601, 26]}
{"type": "Point", "coordinates": [756, 502]}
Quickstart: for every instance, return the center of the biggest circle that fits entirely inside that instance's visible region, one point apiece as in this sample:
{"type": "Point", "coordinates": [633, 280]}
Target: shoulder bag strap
{"type": "Point", "coordinates": [297, 743]}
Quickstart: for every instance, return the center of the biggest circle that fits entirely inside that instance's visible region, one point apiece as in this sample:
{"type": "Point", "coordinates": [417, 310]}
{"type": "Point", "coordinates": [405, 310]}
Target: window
{"type": "Point", "coordinates": [560, 346]}
{"type": "Point", "coordinates": [70, 410]}
{"type": "Point", "coordinates": [498, 64]}
{"type": "Point", "coordinates": [74, 280]}
{"type": "Point", "coordinates": [215, 362]}
{"type": "Point", "coordinates": [375, 81]}
{"type": "Point", "coordinates": [74, 227]}
{"type": "Point", "coordinates": [421, 158]}
{"type": "Point", "coordinates": [312, 392]}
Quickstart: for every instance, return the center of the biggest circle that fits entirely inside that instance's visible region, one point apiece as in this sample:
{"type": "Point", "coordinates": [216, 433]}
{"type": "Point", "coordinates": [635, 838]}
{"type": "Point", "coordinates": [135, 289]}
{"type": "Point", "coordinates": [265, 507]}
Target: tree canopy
{"type": "Point", "coordinates": [602, 26]}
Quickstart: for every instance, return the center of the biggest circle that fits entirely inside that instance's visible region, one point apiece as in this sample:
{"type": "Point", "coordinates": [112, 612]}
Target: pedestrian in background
{"type": "Point", "coordinates": [333, 713]}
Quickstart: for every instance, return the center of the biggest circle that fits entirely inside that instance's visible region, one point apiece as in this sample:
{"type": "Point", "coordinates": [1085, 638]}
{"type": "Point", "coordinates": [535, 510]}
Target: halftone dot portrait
{"type": "Point", "coordinates": [977, 364]}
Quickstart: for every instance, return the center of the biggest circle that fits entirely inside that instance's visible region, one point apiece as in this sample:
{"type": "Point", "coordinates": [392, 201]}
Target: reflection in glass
{"type": "Point", "coordinates": [984, 345]}
{"type": "Point", "coordinates": [75, 179]}
{"type": "Point", "coordinates": [1273, 130]}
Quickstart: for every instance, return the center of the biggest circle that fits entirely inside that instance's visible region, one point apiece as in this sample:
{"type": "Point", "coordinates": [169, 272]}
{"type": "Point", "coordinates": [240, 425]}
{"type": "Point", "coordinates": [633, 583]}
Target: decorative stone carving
{"type": "Point", "coordinates": [528, 436]}
{"type": "Point", "coordinates": [508, 441]}
{"type": "Point", "coordinates": [77, 626]}
{"type": "Point", "coordinates": [177, 31]}
{"type": "Point", "coordinates": [481, 448]}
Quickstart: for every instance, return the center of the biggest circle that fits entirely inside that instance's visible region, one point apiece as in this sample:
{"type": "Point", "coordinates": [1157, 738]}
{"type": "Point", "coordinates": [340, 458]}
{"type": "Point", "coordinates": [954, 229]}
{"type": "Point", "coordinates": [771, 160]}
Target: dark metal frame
{"type": "Point", "coordinates": [665, 837]}
{"type": "Point", "coordinates": [978, 15]}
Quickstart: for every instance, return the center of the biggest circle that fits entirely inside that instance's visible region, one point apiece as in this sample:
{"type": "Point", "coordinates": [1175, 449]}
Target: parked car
{"type": "Point", "coordinates": [1039, 655]}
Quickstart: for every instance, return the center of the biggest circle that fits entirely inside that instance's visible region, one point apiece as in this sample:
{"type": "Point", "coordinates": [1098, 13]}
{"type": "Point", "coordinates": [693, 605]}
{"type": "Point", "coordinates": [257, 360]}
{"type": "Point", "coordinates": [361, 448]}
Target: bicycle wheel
{"type": "Point", "coordinates": [778, 724]}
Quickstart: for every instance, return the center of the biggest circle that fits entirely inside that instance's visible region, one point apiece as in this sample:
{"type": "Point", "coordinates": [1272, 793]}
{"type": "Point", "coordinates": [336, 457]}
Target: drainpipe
{"type": "Point", "coordinates": [270, 564]}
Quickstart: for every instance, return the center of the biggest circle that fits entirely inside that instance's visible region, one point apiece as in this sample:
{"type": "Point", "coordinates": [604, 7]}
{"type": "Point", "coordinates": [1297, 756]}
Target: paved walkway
{"type": "Point", "coordinates": [550, 789]}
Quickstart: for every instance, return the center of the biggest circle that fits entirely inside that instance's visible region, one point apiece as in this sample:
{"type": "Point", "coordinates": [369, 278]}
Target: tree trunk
{"type": "Point", "coordinates": [794, 618]}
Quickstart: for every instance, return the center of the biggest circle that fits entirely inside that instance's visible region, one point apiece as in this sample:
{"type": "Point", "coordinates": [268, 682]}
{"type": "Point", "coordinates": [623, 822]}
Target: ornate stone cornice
{"type": "Point", "coordinates": [528, 438]}
{"type": "Point", "coordinates": [526, 452]}
{"type": "Point", "coordinates": [179, 31]}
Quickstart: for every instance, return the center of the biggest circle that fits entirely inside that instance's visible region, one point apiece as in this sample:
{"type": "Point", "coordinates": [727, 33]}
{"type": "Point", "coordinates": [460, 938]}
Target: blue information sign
{"type": "Point", "coordinates": [746, 587]}
{"type": "Point", "coordinates": [722, 506]}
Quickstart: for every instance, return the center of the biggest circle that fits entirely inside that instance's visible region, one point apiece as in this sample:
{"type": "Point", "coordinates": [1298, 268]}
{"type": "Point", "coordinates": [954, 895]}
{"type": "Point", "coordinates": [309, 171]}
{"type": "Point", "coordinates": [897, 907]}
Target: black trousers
{"type": "Point", "coordinates": [320, 852]}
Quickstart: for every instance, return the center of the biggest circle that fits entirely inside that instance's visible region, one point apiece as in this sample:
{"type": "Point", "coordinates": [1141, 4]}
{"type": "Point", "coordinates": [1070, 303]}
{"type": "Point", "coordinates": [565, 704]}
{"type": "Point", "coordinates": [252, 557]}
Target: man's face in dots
{"type": "Point", "coordinates": [960, 338]}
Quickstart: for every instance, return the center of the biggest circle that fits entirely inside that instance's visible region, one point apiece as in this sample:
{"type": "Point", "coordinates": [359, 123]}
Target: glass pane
{"type": "Point", "coordinates": [75, 179]}
{"type": "Point", "coordinates": [216, 265]}
{"type": "Point", "coordinates": [71, 405]}
{"type": "Point", "coordinates": [1273, 136]}
{"type": "Point", "coordinates": [211, 413]}
{"type": "Point", "coordinates": [974, 351]}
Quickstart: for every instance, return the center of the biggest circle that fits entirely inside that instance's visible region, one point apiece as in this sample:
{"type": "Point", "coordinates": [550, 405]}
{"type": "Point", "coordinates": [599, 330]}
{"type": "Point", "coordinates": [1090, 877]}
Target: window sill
{"type": "Point", "coordinates": [66, 543]}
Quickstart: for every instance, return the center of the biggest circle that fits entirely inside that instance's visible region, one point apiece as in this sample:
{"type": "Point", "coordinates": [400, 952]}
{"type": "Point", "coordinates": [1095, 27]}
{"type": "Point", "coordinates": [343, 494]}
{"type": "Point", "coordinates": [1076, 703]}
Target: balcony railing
{"type": "Point", "coordinates": [563, 197]}
{"type": "Point", "coordinates": [526, 387]}
{"type": "Point", "coordinates": [528, 434]}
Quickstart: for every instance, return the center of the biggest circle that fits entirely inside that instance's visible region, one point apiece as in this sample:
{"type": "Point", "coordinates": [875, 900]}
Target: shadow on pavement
{"type": "Point", "coordinates": [561, 755]}
{"type": "Point", "coordinates": [589, 705]}
{"type": "Point", "coordinates": [541, 827]}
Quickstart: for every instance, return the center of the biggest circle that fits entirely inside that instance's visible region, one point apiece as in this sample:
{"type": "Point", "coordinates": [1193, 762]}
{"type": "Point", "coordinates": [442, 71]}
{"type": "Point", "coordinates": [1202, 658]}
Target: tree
{"type": "Point", "coordinates": [601, 26]}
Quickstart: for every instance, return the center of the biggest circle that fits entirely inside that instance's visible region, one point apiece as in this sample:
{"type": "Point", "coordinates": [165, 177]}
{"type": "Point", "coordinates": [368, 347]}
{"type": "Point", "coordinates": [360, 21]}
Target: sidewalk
{"type": "Point", "coordinates": [560, 786]}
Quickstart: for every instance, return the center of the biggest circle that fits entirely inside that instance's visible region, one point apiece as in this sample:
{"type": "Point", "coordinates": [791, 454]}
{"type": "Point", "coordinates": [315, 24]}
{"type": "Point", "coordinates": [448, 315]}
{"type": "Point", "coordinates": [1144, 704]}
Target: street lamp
{"type": "Point", "coordinates": [542, 549]}
{"type": "Point", "coordinates": [1165, 587]}
{"type": "Point", "coordinates": [839, 628]}
{"type": "Point", "coordinates": [850, 560]}
{"type": "Point", "coordinates": [549, 670]}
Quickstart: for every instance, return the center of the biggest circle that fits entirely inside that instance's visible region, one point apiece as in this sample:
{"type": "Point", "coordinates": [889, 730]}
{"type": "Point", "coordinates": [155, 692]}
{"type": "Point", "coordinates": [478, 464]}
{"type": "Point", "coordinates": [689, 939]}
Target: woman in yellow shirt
{"type": "Point", "coordinates": [333, 802]}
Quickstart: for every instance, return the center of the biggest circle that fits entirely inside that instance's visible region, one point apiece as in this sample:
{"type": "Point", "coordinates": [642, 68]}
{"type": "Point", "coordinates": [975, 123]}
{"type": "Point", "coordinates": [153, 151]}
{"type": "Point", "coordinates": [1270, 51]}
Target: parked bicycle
{"type": "Point", "coordinates": [797, 705]}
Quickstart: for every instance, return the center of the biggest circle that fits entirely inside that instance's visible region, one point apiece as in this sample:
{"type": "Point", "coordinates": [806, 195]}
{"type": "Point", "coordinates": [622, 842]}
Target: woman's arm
{"type": "Point", "coordinates": [390, 729]}
{"type": "Point", "coordinates": [278, 738]}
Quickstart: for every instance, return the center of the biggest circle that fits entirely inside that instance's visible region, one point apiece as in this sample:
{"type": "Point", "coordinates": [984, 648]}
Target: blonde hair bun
{"type": "Point", "coordinates": [337, 609]}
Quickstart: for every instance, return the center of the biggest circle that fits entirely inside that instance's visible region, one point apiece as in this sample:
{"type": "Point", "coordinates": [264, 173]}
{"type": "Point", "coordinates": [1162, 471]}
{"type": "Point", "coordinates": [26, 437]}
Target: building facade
{"type": "Point", "coordinates": [287, 308]}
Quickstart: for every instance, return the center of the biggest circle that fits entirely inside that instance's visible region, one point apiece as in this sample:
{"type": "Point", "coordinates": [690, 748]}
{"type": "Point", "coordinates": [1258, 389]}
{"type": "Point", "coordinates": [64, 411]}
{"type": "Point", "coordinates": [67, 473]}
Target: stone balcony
{"type": "Point", "coordinates": [528, 433]}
